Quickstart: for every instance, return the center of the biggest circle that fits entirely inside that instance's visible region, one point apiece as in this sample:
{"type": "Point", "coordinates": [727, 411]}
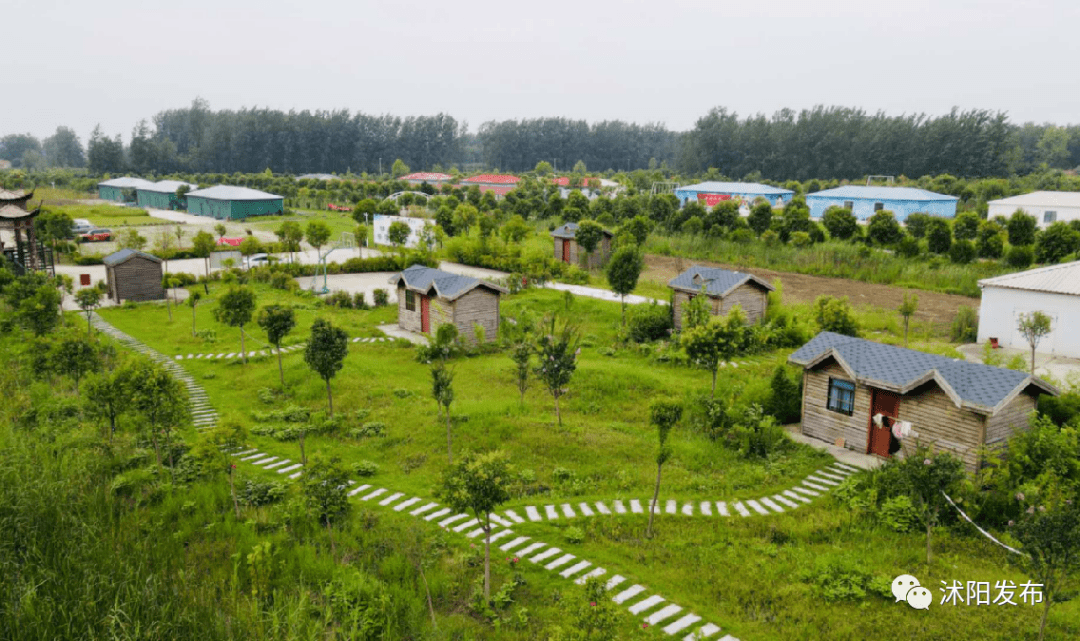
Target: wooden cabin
{"type": "Point", "coordinates": [725, 290]}
{"type": "Point", "coordinates": [428, 298]}
{"type": "Point", "coordinates": [568, 251]}
{"type": "Point", "coordinates": [133, 275]}
{"type": "Point", "coordinates": [950, 404]}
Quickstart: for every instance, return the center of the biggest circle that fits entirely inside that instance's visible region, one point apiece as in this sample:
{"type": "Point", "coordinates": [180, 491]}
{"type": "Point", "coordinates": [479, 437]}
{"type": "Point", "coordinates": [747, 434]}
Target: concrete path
{"type": "Point", "coordinates": [845, 456]}
{"type": "Point", "coordinates": [602, 294]}
{"type": "Point", "coordinates": [270, 352]}
{"type": "Point", "coordinates": [1060, 368]}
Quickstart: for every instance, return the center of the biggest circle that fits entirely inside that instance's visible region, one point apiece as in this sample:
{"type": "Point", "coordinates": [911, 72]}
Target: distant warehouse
{"type": "Point", "coordinates": [120, 189]}
{"type": "Point", "coordinates": [1046, 206]}
{"type": "Point", "coordinates": [863, 201]}
{"type": "Point", "coordinates": [712, 193]}
{"type": "Point", "coordinates": [227, 202]}
{"type": "Point", "coordinates": [161, 195]}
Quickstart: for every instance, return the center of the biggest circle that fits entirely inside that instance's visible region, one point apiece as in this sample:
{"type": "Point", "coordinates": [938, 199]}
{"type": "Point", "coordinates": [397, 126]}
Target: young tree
{"type": "Point", "coordinates": [1021, 228]}
{"type": "Point", "coordinates": [442, 390]}
{"type": "Point", "coordinates": [221, 230]}
{"type": "Point", "coordinates": [36, 302]}
{"type": "Point", "coordinates": [324, 486]}
{"type": "Point", "coordinates": [234, 309]}
{"type": "Point", "coordinates": [192, 302]}
{"type": "Point", "coordinates": [1050, 536]}
{"type": "Point", "coordinates": [161, 402]}
{"type": "Point", "coordinates": [52, 226]}
{"type": "Point", "coordinates": [907, 310]}
{"type": "Point", "coordinates": [277, 321]}
{"type": "Point", "coordinates": [841, 223]}
{"type": "Point", "coordinates": [290, 234]}
{"type": "Point", "coordinates": [88, 299]}
{"type": "Point", "coordinates": [398, 234]}
{"type": "Point", "coordinates": [478, 484]}
{"type": "Point", "coordinates": [178, 231]}
{"type": "Point", "coordinates": [399, 168]}
{"type": "Point", "coordinates": [325, 353]}
{"type": "Point", "coordinates": [925, 476]}
{"type": "Point", "coordinates": [1033, 327]}
{"type": "Point", "coordinates": [834, 315]}
{"type": "Point", "coordinates": [696, 312]}
{"type": "Point", "coordinates": [364, 210]}
{"type": "Point", "coordinates": [318, 233]}
{"type": "Point", "coordinates": [557, 351]}
{"type": "Point", "coordinates": [715, 342]}
{"type": "Point", "coordinates": [249, 247]}
{"type": "Point", "coordinates": [132, 239]}
{"type": "Point", "coordinates": [623, 272]}
{"type": "Point", "coordinates": [212, 448]}
{"type": "Point", "coordinates": [172, 284]}
{"type": "Point", "coordinates": [164, 247]}
{"type": "Point", "coordinates": [883, 229]}
{"type": "Point", "coordinates": [75, 357]}
{"type": "Point", "coordinates": [108, 395]}
{"type": "Point", "coordinates": [938, 235]}
{"type": "Point", "coordinates": [202, 245]}
{"type": "Point", "coordinates": [639, 227]}
{"type": "Point", "coordinates": [663, 415]}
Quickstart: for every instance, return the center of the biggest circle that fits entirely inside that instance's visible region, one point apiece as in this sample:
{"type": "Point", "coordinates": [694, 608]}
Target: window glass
{"type": "Point", "coordinates": [879, 206]}
{"type": "Point", "coordinates": [849, 205]}
{"type": "Point", "coordinates": [1049, 216]}
{"type": "Point", "coordinates": [410, 301]}
{"type": "Point", "coordinates": [841, 396]}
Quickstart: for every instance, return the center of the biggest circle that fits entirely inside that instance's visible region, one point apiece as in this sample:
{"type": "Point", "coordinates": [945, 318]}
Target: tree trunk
{"type": "Point", "coordinates": [655, 498]}
{"type": "Point", "coordinates": [243, 350]}
{"type": "Point", "coordinates": [905, 330]}
{"type": "Point", "coordinates": [206, 261]}
{"type": "Point", "coordinates": [713, 395]}
{"type": "Point", "coordinates": [330, 398]}
{"type": "Point", "coordinates": [427, 590]}
{"type": "Point", "coordinates": [303, 457]}
{"type": "Point", "coordinates": [623, 298]}
{"type": "Point", "coordinates": [487, 560]}
{"type": "Point", "coordinates": [232, 488]}
{"type": "Point", "coordinates": [193, 331]}
{"type": "Point", "coordinates": [449, 449]}
{"type": "Point", "coordinates": [1045, 614]}
{"type": "Point", "coordinates": [157, 451]}
{"type": "Point", "coordinates": [89, 327]}
{"type": "Point", "coordinates": [168, 307]}
{"type": "Point", "coordinates": [1033, 360]}
{"type": "Point", "coordinates": [928, 529]}
{"type": "Point", "coordinates": [281, 372]}
{"type": "Point", "coordinates": [557, 415]}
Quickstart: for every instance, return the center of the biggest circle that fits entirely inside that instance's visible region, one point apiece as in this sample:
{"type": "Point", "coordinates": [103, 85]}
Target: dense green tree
{"type": "Point", "coordinates": [1050, 540]}
{"type": "Point", "coordinates": [325, 353]}
{"type": "Point", "coordinates": [835, 315]}
{"type": "Point", "coordinates": [161, 403]}
{"type": "Point", "coordinates": [290, 234]}
{"type": "Point", "coordinates": [926, 478]}
{"type": "Point", "coordinates": [917, 223]}
{"type": "Point", "coordinates": [990, 240]}
{"type": "Point", "coordinates": [63, 149]}
{"type": "Point", "coordinates": [938, 236]}
{"type": "Point", "coordinates": [325, 485]}
{"type": "Point", "coordinates": [882, 228]}
{"type": "Point", "coordinates": [966, 225]}
{"type": "Point", "coordinates": [317, 234]}
{"type": "Point", "coordinates": [52, 226]}
{"type": "Point", "coordinates": [841, 223]}
{"type": "Point", "coordinates": [88, 299]}
{"type": "Point", "coordinates": [75, 357]}
{"type": "Point", "coordinates": [277, 321]}
{"type": "Point", "coordinates": [1021, 228]}
{"type": "Point", "coordinates": [715, 342]}
{"type": "Point", "coordinates": [108, 395]}
{"type": "Point", "coordinates": [588, 236]}
{"type": "Point", "coordinates": [235, 308]}
{"type": "Point", "coordinates": [14, 146]}
{"type": "Point", "coordinates": [623, 272]}
{"type": "Point", "coordinates": [1056, 242]}
{"type": "Point", "coordinates": [398, 234]}
{"type": "Point", "coordinates": [639, 227]}
{"type": "Point", "coordinates": [399, 169]}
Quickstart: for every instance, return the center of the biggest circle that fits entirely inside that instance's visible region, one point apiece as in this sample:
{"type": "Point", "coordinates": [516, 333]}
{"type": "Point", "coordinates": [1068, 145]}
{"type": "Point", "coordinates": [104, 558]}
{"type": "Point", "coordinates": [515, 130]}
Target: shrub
{"type": "Point", "coordinates": [741, 236]}
{"type": "Point", "coordinates": [837, 580]}
{"type": "Point", "coordinates": [966, 225]}
{"type": "Point", "coordinates": [1021, 228]}
{"type": "Point", "coordinates": [281, 280]}
{"type": "Point", "coordinates": [339, 298]}
{"type": "Point", "coordinates": [962, 252]}
{"type": "Point", "coordinates": [649, 323]}
{"type": "Point", "coordinates": [374, 428]}
{"type": "Point", "coordinates": [574, 535]}
{"type": "Point", "coordinates": [835, 315]}
{"type": "Point", "coordinates": [990, 242]}
{"type": "Point", "coordinates": [898, 514]}
{"type": "Point", "coordinates": [785, 403]}
{"type": "Point", "coordinates": [381, 297]}
{"type": "Point", "coordinates": [965, 326]}
{"type": "Point", "coordinates": [840, 222]}
{"type": "Point", "coordinates": [908, 247]}
{"type": "Point", "coordinates": [1020, 256]}
{"type": "Point", "coordinates": [770, 238]}
{"type": "Point", "coordinates": [755, 434]}
{"type": "Point", "coordinates": [563, 475]}
{"type": "Point", "coordinates": [1055, 243]}
{"type": "Point", "coordinates": [257, 493]}
{"type": "Point", "coordinates": [938, 235]}
{"type": "Point", "coordinates": [916, 224]}
{"type": "Point", "coordinates": [801, 239]}
{"type": "Point", "coordinates": [366, 468]}
{"type": "Point", "coordinates": [883, 228]}
{"type": "Point", "coordinates": [359, 302]}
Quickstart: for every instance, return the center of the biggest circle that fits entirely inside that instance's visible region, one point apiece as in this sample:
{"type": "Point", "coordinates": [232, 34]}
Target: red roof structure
{"type": "Point", "coordinates": [427, 175]}
{"type": "Point", "coordinates": [492, 179]}
{"type": "Point", "coordinates": [564, 181]}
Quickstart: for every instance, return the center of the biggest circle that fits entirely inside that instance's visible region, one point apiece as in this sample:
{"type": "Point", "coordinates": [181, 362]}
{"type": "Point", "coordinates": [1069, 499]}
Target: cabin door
{"type": "Point", "coordinates": [566, 250]}
{"type": "Point", "coordinates": [425, 314]}
{"type": "Point", "coordinates": [887, 404]}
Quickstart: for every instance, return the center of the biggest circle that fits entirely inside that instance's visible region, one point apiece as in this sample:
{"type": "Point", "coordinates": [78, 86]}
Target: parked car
{"type": "Point", "coordinates": [80, 226]}
{"type": "Point", "coordinates": [95, 235]}
{"type": "Point", "coordinates": [258, 260]}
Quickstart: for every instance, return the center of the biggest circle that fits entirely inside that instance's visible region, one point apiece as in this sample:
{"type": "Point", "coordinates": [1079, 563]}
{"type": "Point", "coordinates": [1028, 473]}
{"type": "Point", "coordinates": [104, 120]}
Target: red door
{"type": "Point", "coordinates": [566, 250]}
{"type": "Point", "coordinates": [887, 404]}
{"type": "Point", "coordinates": [425, 315]}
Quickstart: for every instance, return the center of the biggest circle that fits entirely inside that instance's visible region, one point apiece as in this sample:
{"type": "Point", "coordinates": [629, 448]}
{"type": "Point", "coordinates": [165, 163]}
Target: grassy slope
{"type": "Point", "coordinates": [753, 576]}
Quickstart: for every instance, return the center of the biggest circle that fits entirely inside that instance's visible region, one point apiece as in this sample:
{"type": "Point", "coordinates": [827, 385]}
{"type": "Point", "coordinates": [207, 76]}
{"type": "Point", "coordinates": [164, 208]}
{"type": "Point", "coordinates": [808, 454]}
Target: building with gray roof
{"type": "Point", "coordinates": [429, 297]}
{"type": "Point", "coordinates": [120, 189]}
{"type": "Point", "coordinates": [133, 275]}
{"type": "Point", "coordinates": [568, 251]}
{"type": "Point", "coordinates": [230, 202]}
{"type": "Point", "coordinates": [949, 403]}
{"type": "Point", "coordinates": [725, 289]}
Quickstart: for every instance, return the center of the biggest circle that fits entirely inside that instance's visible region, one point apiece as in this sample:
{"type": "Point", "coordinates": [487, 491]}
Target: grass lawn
{"type": "Point", "coordinates": [810, 574]}
{"type": "Point", "coordinates": [108, 215]}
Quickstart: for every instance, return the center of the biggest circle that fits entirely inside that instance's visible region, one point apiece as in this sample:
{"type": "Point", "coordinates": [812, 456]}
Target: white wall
{"type": "Point", "coordinates": [416, 225]}
{"type": "Point", "coordinates": [1064, 214]}
{"type": "Point", "coordinates": [999, 317]}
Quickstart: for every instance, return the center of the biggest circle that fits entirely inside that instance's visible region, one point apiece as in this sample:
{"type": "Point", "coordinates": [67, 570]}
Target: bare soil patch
{"type": "Point", "coordinates": [934, 307]}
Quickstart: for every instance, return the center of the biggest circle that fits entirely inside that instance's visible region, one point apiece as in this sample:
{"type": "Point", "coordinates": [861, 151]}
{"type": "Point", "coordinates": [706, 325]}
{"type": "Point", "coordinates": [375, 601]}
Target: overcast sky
{"type": "Point", "coordinates": [115, 61]}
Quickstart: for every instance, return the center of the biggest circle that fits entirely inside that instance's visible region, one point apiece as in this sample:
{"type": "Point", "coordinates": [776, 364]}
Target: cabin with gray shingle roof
{"type": "Point", "coordinates": [951, 404]}
{"type": "Point", "coordinates": [428, 298]}
{"type": "Point", "coordinates": [133, 275]}
{"type": "Point", "coordinates": [568, 251]}
{"type": "Point", "coordinates": [725, 289]}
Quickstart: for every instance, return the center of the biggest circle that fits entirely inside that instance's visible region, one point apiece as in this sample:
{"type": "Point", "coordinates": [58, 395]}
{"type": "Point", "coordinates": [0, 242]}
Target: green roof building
{"type": "Point", "coordinates": [161, 195]}
{"type": "Point", "coordinates": [121, 190]}
{"type": "Point", "coordinates": [228, 202]}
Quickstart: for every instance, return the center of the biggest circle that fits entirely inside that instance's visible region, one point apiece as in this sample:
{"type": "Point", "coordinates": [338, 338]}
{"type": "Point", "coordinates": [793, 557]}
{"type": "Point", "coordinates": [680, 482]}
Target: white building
{"type": "Point", "coordinates": [416, 229]}
{"type": "Point", "coordinates": [1046, 206]}
{"type": "Point", "coordinates": [1054, 291]}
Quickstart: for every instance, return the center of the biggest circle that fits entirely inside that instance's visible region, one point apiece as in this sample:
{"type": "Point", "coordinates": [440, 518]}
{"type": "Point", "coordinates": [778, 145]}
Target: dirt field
{"type": "Point", "coordinates": [936, 308]}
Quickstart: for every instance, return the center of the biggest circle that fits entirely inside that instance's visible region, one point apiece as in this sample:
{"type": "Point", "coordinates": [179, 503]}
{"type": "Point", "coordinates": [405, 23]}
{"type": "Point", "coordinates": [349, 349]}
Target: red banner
{"type": "Point", "coordinates": [712, 199]}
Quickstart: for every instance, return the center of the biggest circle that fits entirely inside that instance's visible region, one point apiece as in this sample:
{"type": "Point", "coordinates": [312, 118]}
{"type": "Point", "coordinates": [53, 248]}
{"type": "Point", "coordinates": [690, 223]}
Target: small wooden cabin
{"type": "Point", "coordinates": [133, 275]}
{"type": "Point", "coordinates": [950, 404]}
{"type": "Point", "coordinates": [568, 251]}
{"type": "Point", "coordinates": [725, 289]}
{"type": "Point", "coordinates": [428, 298]}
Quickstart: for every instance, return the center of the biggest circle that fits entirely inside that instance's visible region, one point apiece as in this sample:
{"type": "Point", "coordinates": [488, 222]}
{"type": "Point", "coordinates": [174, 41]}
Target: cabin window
{"type": "Point", "coordinates": [849, 205]}
{"type": "Point", "coordinates": [1049, 216]}
{"type": "Point", "coordinates": [410, 300]}
{"type": "Point", "coordinates": [879, 206]}
{"type": "Point", "coordinates": [841, 396]}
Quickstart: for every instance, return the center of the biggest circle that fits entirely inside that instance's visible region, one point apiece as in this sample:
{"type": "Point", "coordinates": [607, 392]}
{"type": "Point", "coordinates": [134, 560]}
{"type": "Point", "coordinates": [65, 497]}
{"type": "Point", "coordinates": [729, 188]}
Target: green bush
{"type": "Point", "coordinates": [649, 323]}
{"type": "Point", "coordinates": [801, 239]}
{"type": "Point", "coordinates": [908, 247]}
{"type": "Point", "coordinates": [374, 428]}
{"type": "Point", "coordinates": [835, 315]}
{"type": "Point", "coordinates": [366, 469]}
{"type": "Point", "coordinates": [899, 514]}
{"type": "Point", "coordinates": [257, 493]}
{"type": "Point", "coordinates": [381, 297]}
{"type": "Point", "coordinates": [574, 535]}
{"type": "Point", "coordinates": [785, 403]}
{"type": "Point", "coordinates": [339, 298]}
{"type": "Point", "coordinates": [1020, 256]}
{"type": "Point", "coordinates": [962, 252]}
{"type": "Point", "coordinates": [965, 325]}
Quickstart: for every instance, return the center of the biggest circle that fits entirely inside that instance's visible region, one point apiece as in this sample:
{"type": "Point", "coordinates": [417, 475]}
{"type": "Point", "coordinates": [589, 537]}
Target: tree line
{"type": "Point", "coordinates": [822, 142]}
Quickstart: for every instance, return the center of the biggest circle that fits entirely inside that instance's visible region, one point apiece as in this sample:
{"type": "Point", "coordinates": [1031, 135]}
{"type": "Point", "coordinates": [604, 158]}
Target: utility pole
{"type": "Point", "coordinates": [380, 168]}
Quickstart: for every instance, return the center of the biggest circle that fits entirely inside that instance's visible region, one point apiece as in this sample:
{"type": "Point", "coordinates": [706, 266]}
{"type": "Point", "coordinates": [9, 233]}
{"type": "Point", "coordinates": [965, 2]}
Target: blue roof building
{"type": "Point", "coordinates": [863, 201]}
{"type": "Point", "coordinates": [710, 193]}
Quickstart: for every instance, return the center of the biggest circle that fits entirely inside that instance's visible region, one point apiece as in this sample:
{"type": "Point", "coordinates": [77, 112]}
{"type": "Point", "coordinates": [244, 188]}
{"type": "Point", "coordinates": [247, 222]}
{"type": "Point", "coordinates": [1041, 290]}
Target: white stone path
{"type": "Point", "coordinates": [263, 353]}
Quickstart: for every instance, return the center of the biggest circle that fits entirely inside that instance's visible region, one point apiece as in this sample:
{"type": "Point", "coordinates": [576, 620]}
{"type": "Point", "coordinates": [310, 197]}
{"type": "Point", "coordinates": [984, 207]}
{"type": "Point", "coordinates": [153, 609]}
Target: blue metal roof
{"type": "Point", "coordinates": [898, 369]}
{"type": "Point", "coordinates": [716, 281]}
{"type": "Point", "coordinates": [710, 187]}
{"type": "Point", "coordinates": [880, 193]}
{"type": "Point", "coordinates": [422, 279]}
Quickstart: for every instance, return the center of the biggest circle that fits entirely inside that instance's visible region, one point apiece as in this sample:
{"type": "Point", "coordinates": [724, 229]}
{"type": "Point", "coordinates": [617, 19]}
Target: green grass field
{"type": "Point", "coordinates": [785, 577]}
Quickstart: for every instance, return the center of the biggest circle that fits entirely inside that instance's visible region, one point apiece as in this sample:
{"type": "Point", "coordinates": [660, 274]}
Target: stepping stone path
{"type": "Point", "coordinates": [264, 353]}
{"type": "Point", "coordinates": [203, 416]}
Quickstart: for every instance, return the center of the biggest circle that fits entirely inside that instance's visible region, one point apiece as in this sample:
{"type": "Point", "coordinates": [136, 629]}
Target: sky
{"type": "Point", "coordinates": [114, 62]}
